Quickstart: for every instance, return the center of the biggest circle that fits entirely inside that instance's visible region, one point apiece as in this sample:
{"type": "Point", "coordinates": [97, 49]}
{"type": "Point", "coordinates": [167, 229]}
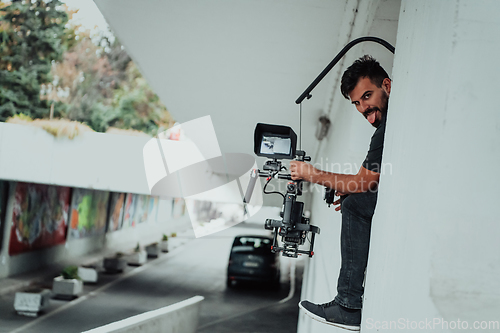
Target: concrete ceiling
{"type": "Point", "coordinates": [239, 61]}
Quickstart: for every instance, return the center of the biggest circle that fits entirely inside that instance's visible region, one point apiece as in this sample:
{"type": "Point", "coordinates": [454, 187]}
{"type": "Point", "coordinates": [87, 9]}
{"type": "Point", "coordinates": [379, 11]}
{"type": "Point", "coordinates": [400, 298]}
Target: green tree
{"type": "Point", "coordinates": [103, 87]}
{"type": "Point", "coordinates": [32, 34]}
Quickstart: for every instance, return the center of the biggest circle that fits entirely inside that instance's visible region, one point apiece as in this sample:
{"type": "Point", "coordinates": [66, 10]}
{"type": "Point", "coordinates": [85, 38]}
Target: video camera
{"type": "Point", "coordinates": [278, 142]}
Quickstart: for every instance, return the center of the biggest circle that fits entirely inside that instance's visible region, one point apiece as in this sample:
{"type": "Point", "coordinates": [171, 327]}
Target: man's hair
{"type": "Point", "coordinates": [365, 66]}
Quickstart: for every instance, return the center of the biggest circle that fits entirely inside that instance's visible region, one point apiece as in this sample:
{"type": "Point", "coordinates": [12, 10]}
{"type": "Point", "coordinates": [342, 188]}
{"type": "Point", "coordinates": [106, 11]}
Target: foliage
{"type": "Point", "coordinates": [70, 272]}
{"type": "Point", "coordinates": [56, 127]}
{"type": "Point", "coordinates": [103, 87]}
{"type": "Point", "coordinates": [137, 248]}
{"type": "Point", "coordinates": [174, 234]}
{"type": "Point", "coordinates": [31, 38]}
{"type": "Point", "coordinates": [164, 238]}
{"type": "Point", "coordinates": [46, 63]}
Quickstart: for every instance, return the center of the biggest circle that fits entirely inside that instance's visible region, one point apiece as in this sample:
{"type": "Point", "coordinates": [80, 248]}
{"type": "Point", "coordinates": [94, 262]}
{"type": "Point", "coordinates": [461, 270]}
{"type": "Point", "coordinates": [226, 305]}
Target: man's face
{"type": "Point", "coordinates": [370, 100]}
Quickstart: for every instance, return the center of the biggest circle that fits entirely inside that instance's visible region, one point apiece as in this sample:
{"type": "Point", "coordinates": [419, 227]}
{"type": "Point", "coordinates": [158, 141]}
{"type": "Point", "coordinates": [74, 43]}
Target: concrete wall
{"type": "Point", "coordinates": [434, 257]}
{"type": "Point", "coordinates": [343, 151]}
{"type": "Point", "coordinates": [175, 318]}
{"type": "Point", "coordinates": [98, 161]}
{"type": "Point", "coordinates": [435, 252]}
{"type": "Point", "coordinates": [123, 240]}
{"type": "Point", "coordinates": [90, 160]}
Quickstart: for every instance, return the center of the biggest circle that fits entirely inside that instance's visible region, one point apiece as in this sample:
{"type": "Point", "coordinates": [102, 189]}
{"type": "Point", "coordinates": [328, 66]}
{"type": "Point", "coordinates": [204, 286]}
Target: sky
{"type": "Point", "coordinates": [88, 15]}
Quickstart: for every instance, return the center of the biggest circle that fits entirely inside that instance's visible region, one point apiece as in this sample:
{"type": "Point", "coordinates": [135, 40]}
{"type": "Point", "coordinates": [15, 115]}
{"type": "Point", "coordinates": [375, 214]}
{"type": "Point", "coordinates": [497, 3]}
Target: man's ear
{"type": "Point", "coordinates": [386, 85]}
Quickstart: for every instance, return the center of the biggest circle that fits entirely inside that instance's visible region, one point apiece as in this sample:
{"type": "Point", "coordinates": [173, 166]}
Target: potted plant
{"type": "Point", "coordinates": [164, 243]}
{"type": "Point", "coordinates": [115, 264]}
{"type": "Point", "coordinates": [153, 250]}
{"type": "Point", "coordinates": [30, 301]}
{"type": "Point", "coordinates": [138, 257]}
{"type": "Point", "coordinates": [88, 273]}
{"type": "Point", "coordinates": [68, 285]}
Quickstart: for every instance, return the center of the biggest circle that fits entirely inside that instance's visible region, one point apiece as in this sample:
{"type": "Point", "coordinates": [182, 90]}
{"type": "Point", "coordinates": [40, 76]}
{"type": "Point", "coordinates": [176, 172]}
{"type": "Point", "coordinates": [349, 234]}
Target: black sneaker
{"type": "Point", "coordinates": [333, 314]}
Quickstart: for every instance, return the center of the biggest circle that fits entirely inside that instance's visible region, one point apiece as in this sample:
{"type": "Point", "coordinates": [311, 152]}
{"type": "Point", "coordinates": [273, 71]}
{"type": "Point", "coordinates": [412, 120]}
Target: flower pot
{"type": "Point", "coordinates": [67, 288]}
{"type": "Point", "coordinates": [114, 264]}
{"type": "Point", "coordinates": [31, 301]}
{"type": "Point", "coordinates": [88, 274]}
{"type": "Point", "coordinates": [164, 246]}
{"type": "Point", "coordinates": [137, 258]}
{"type": "Point", "coordinates": [153, 250]}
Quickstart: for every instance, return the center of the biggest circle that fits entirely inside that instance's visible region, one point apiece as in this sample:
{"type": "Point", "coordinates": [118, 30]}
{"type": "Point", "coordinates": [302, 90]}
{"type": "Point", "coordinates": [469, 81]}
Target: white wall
{"type": "Point", "coordinates": [343, 151]}
{"type": "Point", "coordinates": [90, 160]}
{"type": "Point", "coordinates": [434, 253]}
{"type": "Point", "coordinates": [434, 250]}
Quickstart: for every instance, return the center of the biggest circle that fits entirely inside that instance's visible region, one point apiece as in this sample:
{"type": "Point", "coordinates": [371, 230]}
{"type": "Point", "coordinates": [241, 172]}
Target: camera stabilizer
{"type": "Point", "coordinates": [278, 142]}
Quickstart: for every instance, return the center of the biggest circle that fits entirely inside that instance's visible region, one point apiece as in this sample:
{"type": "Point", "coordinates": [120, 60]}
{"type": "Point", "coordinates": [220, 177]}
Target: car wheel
{"type": "Point", "coordinates": [229, 283]}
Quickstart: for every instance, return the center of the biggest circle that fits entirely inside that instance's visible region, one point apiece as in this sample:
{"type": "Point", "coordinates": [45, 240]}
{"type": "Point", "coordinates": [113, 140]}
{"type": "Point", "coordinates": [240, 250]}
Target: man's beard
{"type": "Point", "coordinates": [383, 111]}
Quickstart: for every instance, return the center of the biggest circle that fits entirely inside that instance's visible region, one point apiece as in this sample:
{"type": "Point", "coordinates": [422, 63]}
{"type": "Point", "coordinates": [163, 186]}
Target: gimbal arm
{"type": "Point", "coordinates": [307, 92]}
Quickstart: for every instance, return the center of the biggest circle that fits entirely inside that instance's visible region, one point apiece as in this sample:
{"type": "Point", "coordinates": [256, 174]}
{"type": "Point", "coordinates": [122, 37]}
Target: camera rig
{"type": "Point", "coordinates": [278, 142]}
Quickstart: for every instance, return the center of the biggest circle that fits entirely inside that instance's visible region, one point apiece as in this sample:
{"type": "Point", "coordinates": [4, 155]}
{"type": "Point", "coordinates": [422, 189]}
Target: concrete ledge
{"type": "Point", "coordinates": [179, 317]}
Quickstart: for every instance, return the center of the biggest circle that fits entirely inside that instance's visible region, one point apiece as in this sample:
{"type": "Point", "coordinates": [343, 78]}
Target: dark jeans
{"type": "Point", "coordinates": [357, 212]}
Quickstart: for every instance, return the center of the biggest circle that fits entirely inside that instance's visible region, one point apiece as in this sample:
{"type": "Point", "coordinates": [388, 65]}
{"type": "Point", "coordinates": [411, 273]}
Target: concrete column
{"type": "Point", "coordinates": [434, 249]}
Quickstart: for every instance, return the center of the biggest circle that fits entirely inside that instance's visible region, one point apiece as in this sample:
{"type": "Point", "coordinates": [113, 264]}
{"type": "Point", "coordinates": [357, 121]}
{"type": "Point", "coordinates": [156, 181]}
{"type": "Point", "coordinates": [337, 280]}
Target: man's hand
{"type": "Point", "coordinates": [302, 170]}
{"type": "Point", "coordinates": [337, 202]}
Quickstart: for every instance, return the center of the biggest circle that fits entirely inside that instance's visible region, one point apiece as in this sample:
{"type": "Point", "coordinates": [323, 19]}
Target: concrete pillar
{"type": "Point", "coordinates": [434, 251]}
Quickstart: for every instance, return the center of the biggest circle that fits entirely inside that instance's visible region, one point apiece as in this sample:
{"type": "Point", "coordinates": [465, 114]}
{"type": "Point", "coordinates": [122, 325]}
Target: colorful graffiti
{"type": "Point", "coordinates": [153, 209]}
{"type": "Point", "coordinates": [178, 207]}
{"type": "Point", "coordinates": [88, 213]}
{"type": "Point", "coordinates": [39, 217]}
{"type": "Point", "coordinates": [140, 209]}
{"type": "Point", "coordinates": [129, 213]}
{"type": "Point", "coordinates": [116, 213]}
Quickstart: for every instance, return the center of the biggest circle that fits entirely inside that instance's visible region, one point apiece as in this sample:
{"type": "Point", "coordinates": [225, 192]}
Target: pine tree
{"type": "Point", "coordinates": [31, 38]}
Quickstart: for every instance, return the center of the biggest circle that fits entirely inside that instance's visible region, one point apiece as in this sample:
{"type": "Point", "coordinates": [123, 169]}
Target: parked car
{"type": "Point", "coordinates": [251, 259]}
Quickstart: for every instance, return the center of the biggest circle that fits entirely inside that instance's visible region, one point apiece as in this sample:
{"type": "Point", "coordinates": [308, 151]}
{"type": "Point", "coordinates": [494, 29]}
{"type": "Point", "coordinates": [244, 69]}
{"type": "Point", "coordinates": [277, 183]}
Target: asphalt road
{"type": "Point", "coordinates": [196, 268]}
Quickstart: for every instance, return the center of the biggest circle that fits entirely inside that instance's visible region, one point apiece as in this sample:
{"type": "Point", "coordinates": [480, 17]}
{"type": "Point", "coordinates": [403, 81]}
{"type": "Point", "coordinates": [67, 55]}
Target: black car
{"type": "Point", "coordinates": [251, 259]}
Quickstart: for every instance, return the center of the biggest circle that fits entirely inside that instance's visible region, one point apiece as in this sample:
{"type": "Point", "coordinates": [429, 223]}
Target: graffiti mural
{"type": "Point", "coordinates": [129, 213]}
{"type": "Point", "coordinates": [39, 217]}
{"type": "Point", "coordinates": [88, 213]}
{"type": "Point", "coordinates": [153, 209]}
{"type": "Point", "coordinates": [116, 212]}
{"type": "Point", "coordinates": [142, 208]}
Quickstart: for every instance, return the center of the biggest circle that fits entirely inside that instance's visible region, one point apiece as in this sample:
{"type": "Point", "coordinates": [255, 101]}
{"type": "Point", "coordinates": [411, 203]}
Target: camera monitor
{"type": "Point", "coordinates": [274, 141]}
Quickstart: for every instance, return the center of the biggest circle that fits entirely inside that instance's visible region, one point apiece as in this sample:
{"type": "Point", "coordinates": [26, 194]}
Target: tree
{"type": "Point", "coordinates": [31, 38]}
{"type": "Point", "coordinates": [103, 87]}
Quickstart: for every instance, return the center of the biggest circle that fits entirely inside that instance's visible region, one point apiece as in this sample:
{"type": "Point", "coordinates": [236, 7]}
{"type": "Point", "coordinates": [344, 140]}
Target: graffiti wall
{"type": "Point", "coordinates": [139, 209]}
{"type": "Point", "coordinates": [88, 213]}
{"type": "Point", "coordinates": [115, 221]}
{"type": "Point", "coordinates": [39, 217]}
{"type": "Point", "coordinates": [129, 213]}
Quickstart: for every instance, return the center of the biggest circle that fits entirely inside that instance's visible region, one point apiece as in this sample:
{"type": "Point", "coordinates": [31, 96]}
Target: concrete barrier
{"type": "Point", "coordinates": [179, 317]}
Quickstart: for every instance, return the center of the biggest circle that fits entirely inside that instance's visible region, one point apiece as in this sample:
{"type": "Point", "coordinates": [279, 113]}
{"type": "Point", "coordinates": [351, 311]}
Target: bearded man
{"type": "Point", "coordinates": [366, 84]}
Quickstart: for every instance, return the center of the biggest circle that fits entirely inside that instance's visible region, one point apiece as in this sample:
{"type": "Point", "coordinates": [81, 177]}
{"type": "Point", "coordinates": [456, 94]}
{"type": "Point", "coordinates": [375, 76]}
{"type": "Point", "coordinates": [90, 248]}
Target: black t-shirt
{"type": "Point", "coordinates": [373, 160]}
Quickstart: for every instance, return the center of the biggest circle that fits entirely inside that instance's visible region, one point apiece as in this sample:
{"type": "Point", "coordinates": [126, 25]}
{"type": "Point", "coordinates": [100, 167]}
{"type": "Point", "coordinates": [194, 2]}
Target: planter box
{"type": "Point", "coordinates": [88, 274]}
{"type": "Point", "coordinates": [114, 264]}
{"type": "Point", "coordinates": [137, 258]}
{"type": "Point", "coordinates": [31, 301]}
{"type": "Point", "coordinates": [153, 250]}
{"type": "Point", "coordinates": [164, 246]}
{"type": "Point", "coordinates": [67, 288]}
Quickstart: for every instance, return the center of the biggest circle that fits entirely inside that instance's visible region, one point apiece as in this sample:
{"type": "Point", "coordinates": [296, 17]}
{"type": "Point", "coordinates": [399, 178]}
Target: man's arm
{"type": "Point", "coordinates": [364, 181]}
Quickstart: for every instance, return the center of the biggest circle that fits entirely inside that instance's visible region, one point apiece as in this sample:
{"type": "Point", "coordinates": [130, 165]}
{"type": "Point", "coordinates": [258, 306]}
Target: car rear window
{"type": "Point", "coordinates": [252, 244]}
